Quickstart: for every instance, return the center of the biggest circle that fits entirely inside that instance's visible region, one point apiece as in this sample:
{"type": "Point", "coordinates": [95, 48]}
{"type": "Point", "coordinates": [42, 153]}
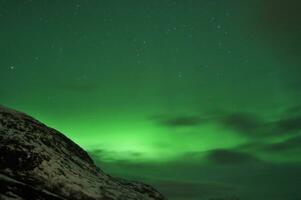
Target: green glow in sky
{"type": "Point", "coordinates": [175, 93]}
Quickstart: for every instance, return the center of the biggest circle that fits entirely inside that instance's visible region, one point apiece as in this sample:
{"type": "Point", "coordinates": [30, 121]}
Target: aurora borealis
{"type": "Point", "coordinates": [200, 98]}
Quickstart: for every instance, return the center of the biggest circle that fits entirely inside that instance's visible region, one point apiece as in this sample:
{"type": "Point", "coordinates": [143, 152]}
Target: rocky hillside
{"type": "Point", "coordinates": [38, 162]}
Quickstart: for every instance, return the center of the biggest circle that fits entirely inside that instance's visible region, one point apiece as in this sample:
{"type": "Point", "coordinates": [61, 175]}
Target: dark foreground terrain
{"type": "Point", "coordinates": [38, 162]}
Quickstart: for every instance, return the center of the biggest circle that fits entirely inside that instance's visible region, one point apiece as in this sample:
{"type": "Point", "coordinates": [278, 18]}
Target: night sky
{"type": "Point", "coordinates": [200, 98]}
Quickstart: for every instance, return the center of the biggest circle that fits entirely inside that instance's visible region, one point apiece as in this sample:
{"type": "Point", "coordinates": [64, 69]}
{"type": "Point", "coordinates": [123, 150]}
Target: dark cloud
{"type": "Point", "coordinates": [293, 111]}
{"type": "Point", "coordinates": [289, 144]}
{"type": "Point", "coordinates": [108, 156]}
{"type": "Point", "coordinates": [230, 157]}
{"type": "Point", "coordinates": [243, 122]}
{"type": "Point", "coordinates": [254, 126]}
{"type": "Point", "coordinates": [251, 146]}
{"type": "Point", "coordinates": [181, 121]}
{"type": "Point", "coordinates": [177, 121]}
{"type": "Point", "coordinates": [248, 124]}
{"type": "Point", "coordinates": [289, 124]}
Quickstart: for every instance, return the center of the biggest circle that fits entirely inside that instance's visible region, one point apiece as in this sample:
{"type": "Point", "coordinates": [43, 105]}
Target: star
{"type": "Point", "coordinates": [12, 67]}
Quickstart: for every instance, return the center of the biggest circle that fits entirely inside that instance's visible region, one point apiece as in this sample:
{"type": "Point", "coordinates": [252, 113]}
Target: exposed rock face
{"type": "Point", "coordinates": [37, 162]}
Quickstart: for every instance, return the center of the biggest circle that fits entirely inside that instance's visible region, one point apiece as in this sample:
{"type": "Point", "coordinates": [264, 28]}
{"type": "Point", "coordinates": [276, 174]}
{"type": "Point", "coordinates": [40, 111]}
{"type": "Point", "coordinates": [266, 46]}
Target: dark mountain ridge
{"type": "Point", "coordinates": [38, 162]}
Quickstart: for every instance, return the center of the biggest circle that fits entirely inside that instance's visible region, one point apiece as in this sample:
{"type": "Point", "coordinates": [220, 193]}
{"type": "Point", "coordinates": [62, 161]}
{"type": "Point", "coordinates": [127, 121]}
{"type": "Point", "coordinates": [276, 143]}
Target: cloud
{"type": "Point", "coordinates": [230, 157]}
{"type": "Point", "coordinates": [181, 121]}
{"type": "Point", "coordinates": [293, 111]}
{"type": "Point", "coordinates": [291, 144]}
{"type": "Point", "coordinates": [289, 124]}
{"type": "Point", "coordinates": [242, 122]}
{"type": "Point", "coordinates": [177, 121]}
{"type": "Point", "coordinates": [287, 145]}
{"type": "Point", "coordinates": [102, 155]}
{"type": "Point", "coordinates": [248, 124]}
{"type": "Point", "coordinates": [254, 126]}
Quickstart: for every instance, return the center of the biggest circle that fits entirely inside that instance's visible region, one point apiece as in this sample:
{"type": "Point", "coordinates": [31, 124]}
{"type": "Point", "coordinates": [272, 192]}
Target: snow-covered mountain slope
{"type": "Point", "coordinates": [38, 162]}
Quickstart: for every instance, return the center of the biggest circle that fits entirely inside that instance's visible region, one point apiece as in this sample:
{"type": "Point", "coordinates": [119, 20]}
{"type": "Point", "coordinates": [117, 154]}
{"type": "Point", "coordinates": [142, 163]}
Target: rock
{"type": "Point", "coordinates": [38, 162]}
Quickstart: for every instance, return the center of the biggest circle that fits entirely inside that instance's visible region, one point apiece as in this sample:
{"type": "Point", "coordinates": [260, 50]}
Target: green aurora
{"type": "Point", "coordinates": [199, 98]}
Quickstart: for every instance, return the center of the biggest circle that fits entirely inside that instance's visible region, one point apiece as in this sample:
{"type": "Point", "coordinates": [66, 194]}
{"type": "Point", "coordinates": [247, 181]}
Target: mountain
{"type": "Point", "coordinates": [38, 162]}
